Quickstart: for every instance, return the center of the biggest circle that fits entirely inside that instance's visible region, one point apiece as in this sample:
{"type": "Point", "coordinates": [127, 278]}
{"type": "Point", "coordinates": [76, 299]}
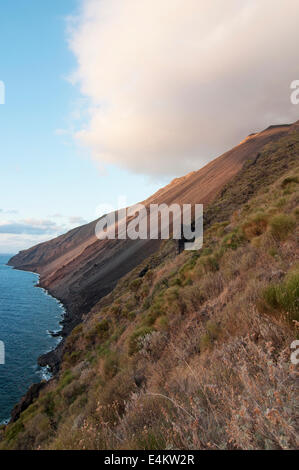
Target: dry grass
{"type": "Point", "coordinates": [185, 357]}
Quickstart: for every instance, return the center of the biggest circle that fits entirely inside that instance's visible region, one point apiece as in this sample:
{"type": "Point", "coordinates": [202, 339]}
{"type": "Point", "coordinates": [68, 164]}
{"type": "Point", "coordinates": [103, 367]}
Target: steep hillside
{"type": "Point", "coordinates": [192, 350]}
{"type": "Point", "coordinates": [79, 269]}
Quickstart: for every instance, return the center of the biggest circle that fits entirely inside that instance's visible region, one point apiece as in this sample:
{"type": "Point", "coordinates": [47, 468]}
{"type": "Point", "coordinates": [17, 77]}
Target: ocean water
{"type": "Point", "coordinates": [27, 314]}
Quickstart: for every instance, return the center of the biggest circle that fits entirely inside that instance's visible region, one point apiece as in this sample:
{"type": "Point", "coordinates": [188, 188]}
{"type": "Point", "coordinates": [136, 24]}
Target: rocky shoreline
{"type": "Point", "coordinates": [51, 359]}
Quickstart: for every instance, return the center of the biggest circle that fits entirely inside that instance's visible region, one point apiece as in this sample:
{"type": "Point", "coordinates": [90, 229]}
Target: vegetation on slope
{"type": "Point", "coordinates": [190, 351]}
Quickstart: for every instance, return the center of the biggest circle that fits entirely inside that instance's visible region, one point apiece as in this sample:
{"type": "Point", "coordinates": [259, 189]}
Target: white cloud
{"type": "Point", "coordinates": [12, 243]}
{"type": "Point", "coordinates": [29, 226]}
{"type": "Point", "coordinates": [173, 83]}
{"type": "Point", "coordinates": [21, 234]}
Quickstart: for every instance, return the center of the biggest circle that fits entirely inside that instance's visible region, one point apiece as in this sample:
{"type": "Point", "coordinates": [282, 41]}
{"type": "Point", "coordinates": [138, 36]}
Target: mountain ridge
{"type": "Point", "coordinates": [78, 269]}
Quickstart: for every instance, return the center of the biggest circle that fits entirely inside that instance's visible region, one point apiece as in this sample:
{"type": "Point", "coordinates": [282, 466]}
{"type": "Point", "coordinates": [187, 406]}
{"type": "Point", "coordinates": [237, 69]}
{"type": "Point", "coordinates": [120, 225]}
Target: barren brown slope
{"type": "Point", "coordinates": [79, 269]}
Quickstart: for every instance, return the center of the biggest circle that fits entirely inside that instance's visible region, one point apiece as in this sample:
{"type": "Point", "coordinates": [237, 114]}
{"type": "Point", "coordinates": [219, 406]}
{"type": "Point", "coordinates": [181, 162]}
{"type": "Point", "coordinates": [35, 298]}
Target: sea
{"type": "Point", "coordinates": [27, 315]}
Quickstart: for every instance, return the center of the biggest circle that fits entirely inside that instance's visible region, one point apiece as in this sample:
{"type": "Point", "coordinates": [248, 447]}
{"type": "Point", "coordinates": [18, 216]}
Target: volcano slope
{"type": "Point", "coordinates": [79, 269]}
{"type": "Point", "coordinates": [195, 353]}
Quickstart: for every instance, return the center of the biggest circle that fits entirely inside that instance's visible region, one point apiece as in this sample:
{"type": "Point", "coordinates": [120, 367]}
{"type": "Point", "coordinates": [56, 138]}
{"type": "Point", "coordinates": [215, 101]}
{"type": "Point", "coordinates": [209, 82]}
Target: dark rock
{"type": "Point", "coordinates": [139, 379]}
{"type": "Point", "coordinates": [52, 359]}
{"type": "Point", "coordinates": [55, 334]}
{"type": "Point", "coordinates": [26, 400]}
{"type": "Point", "coordinates": [143, 272]}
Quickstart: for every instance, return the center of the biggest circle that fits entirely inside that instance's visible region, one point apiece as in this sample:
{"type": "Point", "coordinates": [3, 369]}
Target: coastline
{"type": "Point", "coordinates": [52, 358]}
{"type": "Point", "coordinates": [49, 360]}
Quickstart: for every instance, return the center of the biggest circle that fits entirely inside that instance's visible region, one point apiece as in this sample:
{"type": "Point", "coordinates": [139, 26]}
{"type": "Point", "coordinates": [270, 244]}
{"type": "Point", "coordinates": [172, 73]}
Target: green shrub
{"type": "Point", "coordinates": [176, 281]}
{"type": "Point", "coordinates": [65, 380]}
{"type": "Point", "coordinates": [281, 226]}
{"type": "Point", "coordinates": [116, 309]}
{"type": "Point", "coordinates": [13, 430]}
{"type": "Point", "coordinates": [30, 412]}
{"type": "Point", "coordinates": [206, 251]}
{"type": "Point", "coordinates": [172, 294]}
{"type": "Point", "coordinates": [151, 316]}
{"type": "Point", "coordinates": [273, 252]}
{"type": "Point", "coordinates": [74, 357]}
{"type": "Point", "coordinates": [205, 342]}
{"type": "Point", "coordinates": [270, 296]}
{"type": "Point", "coordinates": [146, 304]}
{"type": "Point", "coordinates": [283, 297]}
{"type": "Point", "coordinates": [209, 263]}
{"type": "Point", "coordinates": [162, 322]}
{"type": "Point", "coordinates": [134, 286]}
{"type": "Point", "coordinates": [151, 440]}
{"type": "Point", "coordinates": [187, 282]}
{"type": "Point", "coordinates": [289, 180]}
{"type": "Point", "coordinates": [73, 391]}
{"type": "Point", "coordinates": [134, 340]}
{"type": "Point", "coordinates": [99, 331]}
{"type": "Point", "coordinates": [111, 365]}
{"type": "Point", "coordinates": [281, 202]}
{"type": "Point", "coordinates": [289, 295]}
{"type": "Point", "coordinates": [49, 404]}
{"type": "Point", "coordinates": [78, 329]}
{"type": "Point", "coordinates": [131, 315]}
{"type": "Point", "coordinates": [233, 240]}
{"type": "Point", "coordinates": [144, 291]}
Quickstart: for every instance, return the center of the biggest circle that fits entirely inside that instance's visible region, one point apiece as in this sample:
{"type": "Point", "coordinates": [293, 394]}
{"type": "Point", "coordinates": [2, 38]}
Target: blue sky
{"type": "Point", "coordinates": [48, 183]}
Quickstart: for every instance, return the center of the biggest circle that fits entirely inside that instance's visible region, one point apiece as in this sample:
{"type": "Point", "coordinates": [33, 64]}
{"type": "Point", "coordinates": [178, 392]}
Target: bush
{"type": "Point", "coordinates": [233, 240]}
{"type": "Point", "coordinates": [206, 341]}
{"type": "Point", "coordinates": [162, 322]}
{"type": "Point", "coordinates": [111, 365]}
{"type": "Point", "coordinates": [269, 296]}
{"type": "Point", "coordinates": [209, 263]}
{"type": "Point", "coordinates": [151, 317]}
{"type": "Point", "coordinates": [72, 391]}
{"type": "Point", "coordinates": [281, 202]}
{"type": "Point", "coordinates": [134, 286]}
{"type": "Point", "coordinates": [77, 330]}
{"type": "Point", "coordinates": [99, 331]}
{"type": "Point", "coordinates": [116, 310]}
{"type": "Point", "coordinates": [49, 404]}
{"type": "Point", "coordinates": [289, 180]}
{"type": "Point", "coordinates": [255, 226]}
{"type": "Point", "coordinates": [65, 380]}
{"type": "Point", "coordinates": [14, 430]}
{"type": "Point", "coordinates": [176, 282]}
{"type": "Point", "coordinates": [289, 295]}
{"type": "Point", "coordinates": [281, 225]}
{"type": "Point", "coordinates": [172, 294]}
{"type": "Point", "coordinates": [136, 337]}
{"type": "Point", "coordinates": [283, 297]}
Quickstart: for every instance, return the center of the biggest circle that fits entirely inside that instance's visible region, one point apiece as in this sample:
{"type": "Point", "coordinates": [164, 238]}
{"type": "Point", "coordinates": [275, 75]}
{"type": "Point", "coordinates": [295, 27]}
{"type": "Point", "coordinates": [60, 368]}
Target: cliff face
{"type": "Point", "coordinates": [78, 269]}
